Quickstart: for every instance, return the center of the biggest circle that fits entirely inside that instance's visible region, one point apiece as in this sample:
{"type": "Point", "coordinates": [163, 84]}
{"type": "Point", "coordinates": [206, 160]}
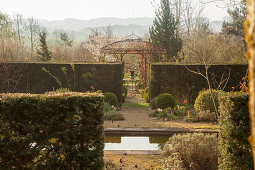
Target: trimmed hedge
{"type": "Point", "coordinates": [175, 79]}
{"type": "Point", "coordinates": [32, 79]}
{"type": "Point", "coordinates": [51, 131]}
{"type": "Point", "coordinates": [234, 148]}
{"type": "Point", "coordinates": [204, 101]}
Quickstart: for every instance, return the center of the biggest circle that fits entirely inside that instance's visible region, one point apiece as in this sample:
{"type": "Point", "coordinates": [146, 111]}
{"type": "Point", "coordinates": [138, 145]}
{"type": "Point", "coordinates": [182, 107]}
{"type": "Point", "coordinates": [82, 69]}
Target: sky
{"type": "Point", "coordinates": [89, 9]}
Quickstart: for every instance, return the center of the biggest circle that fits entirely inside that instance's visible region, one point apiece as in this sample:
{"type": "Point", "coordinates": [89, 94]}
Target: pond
{"type": "Point", "coordinates": [135, 142]}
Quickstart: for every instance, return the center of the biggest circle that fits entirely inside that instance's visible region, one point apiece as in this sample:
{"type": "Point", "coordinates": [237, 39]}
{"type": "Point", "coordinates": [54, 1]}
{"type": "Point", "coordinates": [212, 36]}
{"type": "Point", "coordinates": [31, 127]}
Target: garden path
{"type": "Point", "coordinates": [137, 116]}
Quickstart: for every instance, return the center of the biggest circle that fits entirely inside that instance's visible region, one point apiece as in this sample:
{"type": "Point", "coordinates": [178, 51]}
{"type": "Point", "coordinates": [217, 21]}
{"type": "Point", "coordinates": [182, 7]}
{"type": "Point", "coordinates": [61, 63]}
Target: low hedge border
{"type": "Point", "coordinates": [234, 148]}
{"type": "Point", "coordinates": [51, 131]}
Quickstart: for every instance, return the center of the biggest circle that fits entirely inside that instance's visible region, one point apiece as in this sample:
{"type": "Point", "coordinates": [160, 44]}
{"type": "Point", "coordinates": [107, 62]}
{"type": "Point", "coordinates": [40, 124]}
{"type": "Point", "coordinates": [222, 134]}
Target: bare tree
{"type": "Point", "coordinates": [19, 26]}
{"type": "Point", "coordinates": [33, 30]}
{"type": "Point", "coordinates": [192, 13]}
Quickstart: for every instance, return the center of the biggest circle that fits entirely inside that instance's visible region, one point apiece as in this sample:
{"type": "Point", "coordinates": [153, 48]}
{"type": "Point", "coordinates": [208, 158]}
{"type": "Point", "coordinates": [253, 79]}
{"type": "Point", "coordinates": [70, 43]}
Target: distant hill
{"type": "Point", "coordinates": [76, 24]}
{"type": "Point", "coordinates": [80, 29]}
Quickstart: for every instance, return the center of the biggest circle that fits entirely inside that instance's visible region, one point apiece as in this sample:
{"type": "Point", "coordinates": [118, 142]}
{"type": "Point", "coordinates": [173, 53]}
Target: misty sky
{"type": "Point", "coordinates": [88, 9]}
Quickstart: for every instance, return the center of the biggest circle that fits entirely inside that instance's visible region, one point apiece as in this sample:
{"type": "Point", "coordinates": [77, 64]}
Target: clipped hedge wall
{"type": "Point", "coordinates": [32, 79]}
{"type": "Point", "coordinates": [234, 148]}
{"type": "Point", "coordinates": [51, 131]}
{"type": "Point", "coordinates": [182, 84]}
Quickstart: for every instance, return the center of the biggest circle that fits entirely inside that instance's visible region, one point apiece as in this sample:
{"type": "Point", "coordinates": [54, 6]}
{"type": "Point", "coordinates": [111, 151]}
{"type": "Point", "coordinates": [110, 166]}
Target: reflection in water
{"type": "Point", "coordinates": [135, 142]}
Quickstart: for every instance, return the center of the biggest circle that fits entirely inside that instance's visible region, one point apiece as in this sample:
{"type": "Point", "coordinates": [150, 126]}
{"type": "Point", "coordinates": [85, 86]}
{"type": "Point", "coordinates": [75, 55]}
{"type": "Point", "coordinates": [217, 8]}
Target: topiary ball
{"type": "Point", "coordinates": [165, 100]}
{"type": "Point", "coordinates": [204, 101]}
{"type": "Point", "coordinates": [111, 98]}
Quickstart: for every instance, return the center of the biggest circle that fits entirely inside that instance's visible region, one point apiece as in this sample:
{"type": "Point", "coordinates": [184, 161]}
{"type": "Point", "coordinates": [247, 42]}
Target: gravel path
{"type": "Point", "coordinates": [139, 118]}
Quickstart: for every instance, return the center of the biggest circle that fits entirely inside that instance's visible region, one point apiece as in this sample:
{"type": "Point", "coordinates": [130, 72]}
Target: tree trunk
{"type": "Point", "coordinates": [250, 39]}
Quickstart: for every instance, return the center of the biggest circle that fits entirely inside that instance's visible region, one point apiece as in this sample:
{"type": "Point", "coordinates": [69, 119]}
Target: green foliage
{"type": "Point", "coordinates": [164, 31]}
{"type": "Point", "coordinates": [204, 100]}
{"type": "Point", "coordinates": [235, 150]}
{"type": "Point", "coordinates": [113, 116]}
{"type": "Point", "coordinates": [195, 151]}
{"type": "Point", "coordinates": [145, 94]}
{"type": "Point", "coordinates": [109, 108]}
{"type": "Point", "coordinates": [44, 53]}
{"type": "Point", "coordinates": [142, 92]}
{"type": "Point", "coordinates": [166, 114]}
{"type": "Point", "coordinates": [165, 100]}
{"type": "Point", "coordinates": [51, 131]}
{"type": "Point", "coordinates": [111, 98]}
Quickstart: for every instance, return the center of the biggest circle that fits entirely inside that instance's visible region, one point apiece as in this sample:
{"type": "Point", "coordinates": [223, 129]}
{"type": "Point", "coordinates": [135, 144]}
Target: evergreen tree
{"type": "Point", "coordinates": [236, 26]}
{"type": "Point", "coordinates": [65, 40]}
{"type": "Point", "coordinates": [164, 31]}
{"type": "Point", "coordinates": [43, 51]}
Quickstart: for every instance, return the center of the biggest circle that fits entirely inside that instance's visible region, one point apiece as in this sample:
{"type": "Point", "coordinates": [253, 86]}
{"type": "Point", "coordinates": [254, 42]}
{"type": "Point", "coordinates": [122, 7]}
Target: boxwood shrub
{"type": "Point", "coordinates": [111, 98]}
{"type": "Point", "coordinates": [234, 148]}
{"type": "Point", "coordinates": [165, 100]}
{"type": "Point", "coordinates": [51, 131]}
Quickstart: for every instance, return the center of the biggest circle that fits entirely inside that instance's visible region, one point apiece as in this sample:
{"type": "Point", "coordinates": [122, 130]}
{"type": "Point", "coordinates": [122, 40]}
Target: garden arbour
{"type": "Point", "coordinates": [133, 44]}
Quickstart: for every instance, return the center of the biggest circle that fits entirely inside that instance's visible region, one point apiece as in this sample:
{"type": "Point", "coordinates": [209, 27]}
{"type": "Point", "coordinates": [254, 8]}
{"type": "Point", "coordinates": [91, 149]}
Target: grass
{"type": "Point", "coordinates": [113, 116]}
{"type": "Point", "coordinates": [206, 127]}
{"type": "Point", "coordinates": [135, 105]}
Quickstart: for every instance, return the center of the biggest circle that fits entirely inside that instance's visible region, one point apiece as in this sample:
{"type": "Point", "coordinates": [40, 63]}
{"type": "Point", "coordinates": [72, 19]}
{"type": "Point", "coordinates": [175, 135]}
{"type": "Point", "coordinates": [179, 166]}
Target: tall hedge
{"type": "Point", "coordinates": [51, 131]}
{"type": "Point", "coordinates": [234, 148]}
{"type": "Point", "coordinates": [32, 79]}
{"type": "Point", "coordinates": [183, 84]}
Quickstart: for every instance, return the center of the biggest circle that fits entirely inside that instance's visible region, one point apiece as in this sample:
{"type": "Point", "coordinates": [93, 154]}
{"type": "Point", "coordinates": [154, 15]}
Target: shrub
{"type": "Point", "coordinates": [153, 103]}
{"type": "Point", "coordinates": [195, 151]}
{"type": "Point", "coordinates": [146, 97]}
{"type": "Point", "coordinates": [235, 150]}
{"type": "Point", "coordinates": [142, 92]}
{"type": "Point", "coordinates": [205, 116]}
{"type": "Point", "coordinates": [166, 114]}
{"type": "Point", "coordinates": [51, 131]}
{"type": "Point", "coordinates": [125, 91]}
{"type": "Point", "coordinates": [113, 116]}
{"type": "Point", "coordinates": [204, 101]}
{"type": "Point", "coordinates": [145, 94]}
{"type": "Point", "coordinates": [124, 94]}
{"type": "Point", "coordinates": [111, 98]}
{"type": "Point", "coordinates": [165, 100]}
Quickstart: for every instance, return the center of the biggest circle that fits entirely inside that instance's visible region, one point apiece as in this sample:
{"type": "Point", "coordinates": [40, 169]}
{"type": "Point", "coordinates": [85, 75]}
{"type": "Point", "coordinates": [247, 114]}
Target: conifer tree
{"type": "Point", "coordinates": [164, 31]}
{"type": "Point", "coordinates": [43, 52]}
